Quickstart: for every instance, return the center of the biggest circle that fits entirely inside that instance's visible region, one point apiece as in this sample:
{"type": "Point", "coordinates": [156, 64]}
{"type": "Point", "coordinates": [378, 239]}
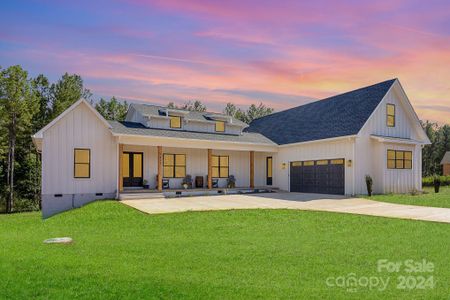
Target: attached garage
{"type": "Point", "coordinates": [318, 176]}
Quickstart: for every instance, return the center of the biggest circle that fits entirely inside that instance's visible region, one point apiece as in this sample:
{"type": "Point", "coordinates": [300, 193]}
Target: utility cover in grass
{"type": "Point", "coordinates": [62, 240]}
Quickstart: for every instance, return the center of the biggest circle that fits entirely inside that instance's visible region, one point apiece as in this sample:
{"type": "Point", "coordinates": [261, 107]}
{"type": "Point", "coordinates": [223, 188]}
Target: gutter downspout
{"type": "Point", "coordinates": [117, 169]}
{"type": "Point", "coordinates": [354, 167]}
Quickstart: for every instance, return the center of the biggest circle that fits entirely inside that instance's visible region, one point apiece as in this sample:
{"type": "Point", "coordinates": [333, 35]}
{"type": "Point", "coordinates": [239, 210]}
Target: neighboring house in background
{"type": "Point", "coordinates": [446, 164]}
{"type": "Point", "coordinates": [327, 146]}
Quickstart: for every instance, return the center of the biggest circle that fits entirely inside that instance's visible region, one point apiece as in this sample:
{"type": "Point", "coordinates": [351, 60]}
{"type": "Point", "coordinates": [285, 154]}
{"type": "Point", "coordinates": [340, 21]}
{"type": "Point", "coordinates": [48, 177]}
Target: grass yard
{"type": "Point", "coordinates": [121, 253]}
{"type": "Point", "coordinates": [442, 199]}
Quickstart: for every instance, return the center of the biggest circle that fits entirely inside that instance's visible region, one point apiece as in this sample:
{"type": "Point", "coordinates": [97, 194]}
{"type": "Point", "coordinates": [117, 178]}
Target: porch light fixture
{"type": "Point", "coordinates": [349, 163]}
{"type": "Point", "coordinates": [283, 166]}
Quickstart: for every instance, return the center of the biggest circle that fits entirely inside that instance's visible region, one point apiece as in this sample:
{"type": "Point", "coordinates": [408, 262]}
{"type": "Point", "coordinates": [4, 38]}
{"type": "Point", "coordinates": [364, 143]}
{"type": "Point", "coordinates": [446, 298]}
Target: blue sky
{"type": "Point", "coordinates": [283, 53]}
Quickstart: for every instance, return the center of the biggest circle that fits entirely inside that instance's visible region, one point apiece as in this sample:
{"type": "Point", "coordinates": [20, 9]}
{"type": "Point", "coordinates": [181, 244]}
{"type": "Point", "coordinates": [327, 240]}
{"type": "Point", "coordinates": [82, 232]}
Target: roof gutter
{"type": "Point", "coordinates": [389, 139]}
{"type": "Point", "coordinates": [319, 141]}
{"type": "Point", "coordinates": [192, 140]}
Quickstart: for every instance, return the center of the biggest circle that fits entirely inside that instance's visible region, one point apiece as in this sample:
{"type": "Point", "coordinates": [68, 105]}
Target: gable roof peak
{"type": "Point", "coordinates": [340, 115]}
{"type": "Point", "coordinates": [67, 111]}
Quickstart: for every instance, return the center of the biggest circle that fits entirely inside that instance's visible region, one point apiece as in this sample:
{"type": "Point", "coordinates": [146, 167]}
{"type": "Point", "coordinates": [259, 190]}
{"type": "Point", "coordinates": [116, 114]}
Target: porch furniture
{"type": "Point", "coordinates": [188, 181]}
{"type": "Point", "coordinates": [215, 183]}
{"type": "Point", "coordinates": [199, 181]}
{"type": "Point", "coordinates": [231, 182]}
{"type": "Point", "coordinates": [165, 184]}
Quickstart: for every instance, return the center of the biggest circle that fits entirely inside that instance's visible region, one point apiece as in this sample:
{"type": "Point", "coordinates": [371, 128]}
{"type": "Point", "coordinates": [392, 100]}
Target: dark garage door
{"type": "Point", "coordinates": [318, 176]}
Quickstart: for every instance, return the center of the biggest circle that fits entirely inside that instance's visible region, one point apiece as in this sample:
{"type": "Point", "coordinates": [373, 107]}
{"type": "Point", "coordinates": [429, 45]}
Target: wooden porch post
{"type": "Point", "coordinates": [252, 169]}
{"type": "Point", "coordinates": [209, 168]}
{"type": "Point", "coordinates": [120, 168]}
{"type": "Point", "coordinates": [160, 166]}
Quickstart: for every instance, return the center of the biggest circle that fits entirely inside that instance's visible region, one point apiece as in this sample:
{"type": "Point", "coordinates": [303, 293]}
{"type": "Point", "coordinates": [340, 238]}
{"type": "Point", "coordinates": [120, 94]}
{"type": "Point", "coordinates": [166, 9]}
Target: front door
{"type": "Point", "coordinates": [269, 171]}
{"type": "Point", "coordinates": [132, 169]}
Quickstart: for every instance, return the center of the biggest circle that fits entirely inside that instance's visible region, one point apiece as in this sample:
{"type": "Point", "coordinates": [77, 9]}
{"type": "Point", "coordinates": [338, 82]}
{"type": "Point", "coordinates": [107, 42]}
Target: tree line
{"type": "Point", "coordinates": [432, 155]}
{"type": "Point", "coordinates": [28, 103]}
{"type": "Point", "coordinates": [247, 116]}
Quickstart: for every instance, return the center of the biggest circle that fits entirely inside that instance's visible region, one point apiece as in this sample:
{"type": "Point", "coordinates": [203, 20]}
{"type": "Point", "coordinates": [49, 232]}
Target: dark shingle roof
{"type": "Point", "coordinates": [446, 158]}
{"type": "Point", "coordinates": [336, 116]}
{"type": "Point", "coordinates": [132, 128]}
{"type": "Point", "coordinates": [154, 110]}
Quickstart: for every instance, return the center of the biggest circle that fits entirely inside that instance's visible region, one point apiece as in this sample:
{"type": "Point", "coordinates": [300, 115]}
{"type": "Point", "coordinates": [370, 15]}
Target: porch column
{"type": "Point", "coordinates": [209, 168]}
{"type": "Point", "coordinates": [252, 169]}
{"type": "Point", "coordinates": [160, 167]}
{"type": "Point", "coordinates": [120, 168]}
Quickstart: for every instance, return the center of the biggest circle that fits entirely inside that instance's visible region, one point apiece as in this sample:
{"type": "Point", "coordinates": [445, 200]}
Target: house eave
{"type": "Point", "coordinates": [397, 140]}
{"type": "Point", "coordinates": [319, 141]}
{"type": "Point", "coordinates": [258, 146]}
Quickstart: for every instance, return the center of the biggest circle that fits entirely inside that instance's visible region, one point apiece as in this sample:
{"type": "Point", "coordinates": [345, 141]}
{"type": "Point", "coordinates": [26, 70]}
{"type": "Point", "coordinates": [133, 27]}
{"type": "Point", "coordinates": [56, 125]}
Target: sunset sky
{"type": "Point", "coordinates": [282, 53]}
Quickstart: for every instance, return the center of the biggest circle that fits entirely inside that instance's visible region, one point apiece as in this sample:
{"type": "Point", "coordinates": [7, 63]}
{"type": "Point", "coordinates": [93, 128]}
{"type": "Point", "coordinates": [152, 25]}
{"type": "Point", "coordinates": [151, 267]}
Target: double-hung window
{"type": "Point", "coordinates": [174, 165]}
{"type": "Point", "coordinates": [220, 166]}
{"type": "Point", "coordinates": [390, 115]}
{"type": "Point", "coordinates": [81, 163]}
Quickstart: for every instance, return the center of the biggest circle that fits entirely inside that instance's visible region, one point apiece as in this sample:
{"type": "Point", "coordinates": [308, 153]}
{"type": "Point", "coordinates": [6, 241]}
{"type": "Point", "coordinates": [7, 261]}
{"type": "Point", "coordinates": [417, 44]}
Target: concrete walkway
{"type": "Point", "coordinates": [299, 201]}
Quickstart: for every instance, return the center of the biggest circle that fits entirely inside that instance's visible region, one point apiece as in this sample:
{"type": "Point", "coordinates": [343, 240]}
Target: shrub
{"type": "Point", "coordinates": [437, 183]}
{"type": "Point", "coordinates": [429, 181]}
{"type": "Point", "coordinates": [2, 205]}
{"type": "Point", "coordinates": [22, 205]}
{"type": "Point", "coordinates": [369, 184]}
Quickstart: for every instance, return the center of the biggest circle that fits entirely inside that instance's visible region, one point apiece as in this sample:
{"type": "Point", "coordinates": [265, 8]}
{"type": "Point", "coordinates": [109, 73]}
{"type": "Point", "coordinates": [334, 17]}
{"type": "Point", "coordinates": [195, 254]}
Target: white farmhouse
{"type": "Point", "coordinates": [327, 146]}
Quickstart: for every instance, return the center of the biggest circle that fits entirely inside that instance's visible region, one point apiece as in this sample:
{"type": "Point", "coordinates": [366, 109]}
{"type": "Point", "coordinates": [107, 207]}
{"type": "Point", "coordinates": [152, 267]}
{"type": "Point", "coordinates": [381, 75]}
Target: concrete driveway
{"type": "Point", "coordinates": [316, 202]}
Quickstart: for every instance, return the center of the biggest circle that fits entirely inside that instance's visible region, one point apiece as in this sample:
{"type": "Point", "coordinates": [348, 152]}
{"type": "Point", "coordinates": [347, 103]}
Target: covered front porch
{"type": "Point", "coordinates": [147, 168]}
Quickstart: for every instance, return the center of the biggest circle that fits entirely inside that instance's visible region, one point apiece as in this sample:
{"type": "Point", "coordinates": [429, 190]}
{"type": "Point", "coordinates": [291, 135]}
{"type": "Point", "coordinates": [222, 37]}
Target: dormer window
{"type": "Point", "coordinates": [175, 121]}
{"type": "Point", "coordinates": [220, 126]}
{"type": "Point", "coordinates": [390, 115]}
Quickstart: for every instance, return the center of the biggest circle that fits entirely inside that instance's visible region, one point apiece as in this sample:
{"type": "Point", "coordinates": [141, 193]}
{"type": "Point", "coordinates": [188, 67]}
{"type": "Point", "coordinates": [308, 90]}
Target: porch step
{"type": "Point", "coordinates": [174, 193]}
{"type": "Point", "coordinates": [134, 196]}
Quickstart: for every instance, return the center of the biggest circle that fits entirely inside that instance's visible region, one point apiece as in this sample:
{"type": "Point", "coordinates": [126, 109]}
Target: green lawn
{"type": "Point", "coordinates": [441, 199]}
{"type": "Point", "coordinates": [121, 253]}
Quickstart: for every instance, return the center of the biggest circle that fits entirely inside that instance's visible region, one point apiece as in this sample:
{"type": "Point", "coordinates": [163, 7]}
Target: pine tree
{"type": "Point", "coordinates": [17, 102]}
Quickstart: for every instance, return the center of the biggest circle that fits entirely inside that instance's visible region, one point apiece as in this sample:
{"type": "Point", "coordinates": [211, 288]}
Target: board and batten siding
{"type": "Point", "coordinates": [377, 123]}
{"type": "Point", "coordinates": [80, 128]}
{"type": "Point", "coordinates": [371, 159]}
{"type": "Point", "coordinates": [371, 155]}
{"type": "Point", "coordinates": [261, 168]}
{"type": "Point", "coordinates": [402, 180]}
{"type": "Point", "coordinates": [342, 148]}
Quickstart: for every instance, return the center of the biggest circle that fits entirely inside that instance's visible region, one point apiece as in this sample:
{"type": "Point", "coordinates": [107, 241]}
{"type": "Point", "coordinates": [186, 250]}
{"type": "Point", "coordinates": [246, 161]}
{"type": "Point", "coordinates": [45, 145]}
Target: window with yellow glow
{"type": "Point", "coordinates": [174, 165]}
{"type": "Point", "coordinates": [126, 165]}
{"type": "Point", "coordinates": [390, 115]}
{"type": "Point", "coordinates": [269, 167]}
{"type": "Point", "coordinates": [137, 165]}
{"type": "Point", "coordinates": [337, 161]}
{"type": "Point", "coordinates": [399, 159]}
{"type": "Point", "coordinates": [175, 122]}
{"type": "Point", "coordinates": [82, 163]}
{"type": "Point", "coordinates": [220, 166]}
{"type": "Point", "coordinates": [220, 126]}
